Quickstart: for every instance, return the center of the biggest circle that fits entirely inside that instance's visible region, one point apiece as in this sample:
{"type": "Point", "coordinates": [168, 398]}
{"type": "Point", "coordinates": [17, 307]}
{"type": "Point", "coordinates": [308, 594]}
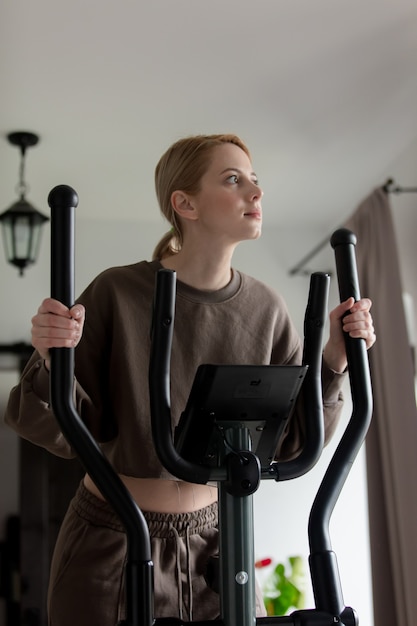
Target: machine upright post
{"type": "Point", "coordinates": [236, 546]}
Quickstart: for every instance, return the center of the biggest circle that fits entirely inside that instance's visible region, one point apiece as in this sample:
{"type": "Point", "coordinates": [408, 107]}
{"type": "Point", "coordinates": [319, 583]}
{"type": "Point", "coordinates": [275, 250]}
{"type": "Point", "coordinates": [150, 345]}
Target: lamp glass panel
{"type": "Point", "coordinates": [22, 237]}
{"type": "Point", "coordinates": [35, 241]}
{"type": "Point", "coordinates": [7, 238]}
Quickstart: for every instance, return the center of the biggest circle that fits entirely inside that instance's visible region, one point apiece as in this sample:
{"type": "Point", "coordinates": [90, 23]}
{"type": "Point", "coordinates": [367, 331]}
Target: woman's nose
{"type": "Point", "coordinates": [256, 191]}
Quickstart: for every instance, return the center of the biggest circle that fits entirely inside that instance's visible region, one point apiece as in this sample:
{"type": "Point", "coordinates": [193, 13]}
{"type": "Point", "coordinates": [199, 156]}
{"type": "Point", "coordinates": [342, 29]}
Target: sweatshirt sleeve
{"type": "Point", "coordinates": [288, 342]}
{"type": "Point", "coordinates": [294, 435]}
{"type": "Point", "coordinates": [29, 413]}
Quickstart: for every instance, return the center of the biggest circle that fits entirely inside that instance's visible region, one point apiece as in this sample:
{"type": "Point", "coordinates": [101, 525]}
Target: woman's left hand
{"type": "Point", "coordinates": [353, 318]}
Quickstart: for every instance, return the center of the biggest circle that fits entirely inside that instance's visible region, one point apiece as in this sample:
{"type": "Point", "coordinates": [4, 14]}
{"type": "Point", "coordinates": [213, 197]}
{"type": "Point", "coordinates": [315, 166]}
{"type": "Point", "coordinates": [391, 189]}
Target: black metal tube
{"type": "Point", "coordinates": [326, 584]}
{"type": "Point", "coordinates": [63, 200]}
{"type": "Point", "coordinates": [314, 321]}
{"type": "Point", "coordinates": [159, 383]}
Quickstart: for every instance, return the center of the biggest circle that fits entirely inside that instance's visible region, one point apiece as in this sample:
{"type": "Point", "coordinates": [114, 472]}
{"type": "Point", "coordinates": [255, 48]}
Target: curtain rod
{"type": "Point", "coordinates": [390, 186]}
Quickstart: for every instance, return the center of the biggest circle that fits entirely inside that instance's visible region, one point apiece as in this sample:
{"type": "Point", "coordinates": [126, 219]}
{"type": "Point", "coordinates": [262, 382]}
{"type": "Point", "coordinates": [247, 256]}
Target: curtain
{"type": "Point", "coordinates": [391, 444]}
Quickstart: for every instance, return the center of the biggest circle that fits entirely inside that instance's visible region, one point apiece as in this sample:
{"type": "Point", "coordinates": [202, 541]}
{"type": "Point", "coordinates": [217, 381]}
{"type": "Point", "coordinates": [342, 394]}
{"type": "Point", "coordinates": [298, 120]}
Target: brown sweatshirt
{"type": "Point", "coordinates": [246, 322]}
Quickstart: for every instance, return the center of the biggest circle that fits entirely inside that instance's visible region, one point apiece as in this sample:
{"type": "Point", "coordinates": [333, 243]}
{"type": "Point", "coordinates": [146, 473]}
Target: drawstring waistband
{"type": "Point", "coordinates": [190, 583]}
{"type": "Point", "coordinates": [92, 508]}
{"type": "Point", "coordinates": [179, 572]}
{"type": "Point", "coordinates": [196, 521]}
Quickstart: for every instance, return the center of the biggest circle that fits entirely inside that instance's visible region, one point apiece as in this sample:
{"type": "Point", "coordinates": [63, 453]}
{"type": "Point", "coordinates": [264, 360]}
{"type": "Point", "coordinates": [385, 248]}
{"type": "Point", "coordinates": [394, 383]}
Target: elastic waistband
{"type": "Point", "coordinates": [101, 513]}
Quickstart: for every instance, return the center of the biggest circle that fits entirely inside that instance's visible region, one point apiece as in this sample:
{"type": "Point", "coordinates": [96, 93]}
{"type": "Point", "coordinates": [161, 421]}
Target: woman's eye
{"type": "Point", "coordinates": [233, 179]}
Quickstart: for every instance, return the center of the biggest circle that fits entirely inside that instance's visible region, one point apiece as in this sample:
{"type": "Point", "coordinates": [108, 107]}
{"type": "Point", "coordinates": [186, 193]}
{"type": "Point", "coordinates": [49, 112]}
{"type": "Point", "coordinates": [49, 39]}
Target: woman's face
{"type": "Point", "coordinates": [228, 204]}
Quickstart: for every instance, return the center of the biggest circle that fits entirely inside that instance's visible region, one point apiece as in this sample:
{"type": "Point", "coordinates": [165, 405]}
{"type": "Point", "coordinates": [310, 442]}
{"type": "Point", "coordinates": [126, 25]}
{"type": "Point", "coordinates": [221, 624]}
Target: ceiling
{"type": "Point", "coordinates": [324, 92]}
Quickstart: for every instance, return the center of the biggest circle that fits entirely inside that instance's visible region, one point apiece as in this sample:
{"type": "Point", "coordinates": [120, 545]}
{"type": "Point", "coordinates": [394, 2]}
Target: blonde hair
{"type": "Point", "coordinates": [181, 168]}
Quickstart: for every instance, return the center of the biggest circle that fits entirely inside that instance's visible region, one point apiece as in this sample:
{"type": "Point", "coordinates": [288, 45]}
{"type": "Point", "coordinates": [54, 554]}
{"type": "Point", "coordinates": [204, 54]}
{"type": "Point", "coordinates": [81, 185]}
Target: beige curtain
{"type": "Point", "coordinates": [391, 444]}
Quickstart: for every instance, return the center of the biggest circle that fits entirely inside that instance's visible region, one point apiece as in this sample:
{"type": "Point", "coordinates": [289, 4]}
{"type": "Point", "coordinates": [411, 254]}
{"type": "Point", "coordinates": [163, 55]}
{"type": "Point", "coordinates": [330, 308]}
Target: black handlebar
{"type": "Point", "coordinates": [314, 321]}
{"type": "Point", "coordinates": [322, 560]}
{"type": "Point", "coordinates": [63, 201]}
{"type": "Point", "coordinates": [159, 384]}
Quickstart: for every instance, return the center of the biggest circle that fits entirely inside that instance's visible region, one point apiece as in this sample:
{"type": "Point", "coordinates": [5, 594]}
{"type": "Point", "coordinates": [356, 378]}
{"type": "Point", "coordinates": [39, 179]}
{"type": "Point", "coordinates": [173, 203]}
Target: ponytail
{"type": "Point", "coordinates": [168, 245]}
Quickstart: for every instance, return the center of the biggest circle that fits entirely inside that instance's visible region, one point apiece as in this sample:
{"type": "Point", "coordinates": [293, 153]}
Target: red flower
{"type": "Point", "coordinates": [263, 562]}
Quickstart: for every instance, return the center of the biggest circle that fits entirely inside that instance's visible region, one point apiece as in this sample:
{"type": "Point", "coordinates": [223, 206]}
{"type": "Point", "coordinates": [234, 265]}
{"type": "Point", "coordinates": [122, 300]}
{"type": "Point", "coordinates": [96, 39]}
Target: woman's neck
{"type": "Point", "coordinates": [208, 272]}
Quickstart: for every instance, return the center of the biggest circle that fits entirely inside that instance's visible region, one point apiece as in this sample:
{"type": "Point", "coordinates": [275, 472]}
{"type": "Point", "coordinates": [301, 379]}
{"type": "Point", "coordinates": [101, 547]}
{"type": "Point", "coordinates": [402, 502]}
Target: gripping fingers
{"type": "Point", "coordinates": [55, 326]}
{"type": "Point", "coordinates": [359, 323]}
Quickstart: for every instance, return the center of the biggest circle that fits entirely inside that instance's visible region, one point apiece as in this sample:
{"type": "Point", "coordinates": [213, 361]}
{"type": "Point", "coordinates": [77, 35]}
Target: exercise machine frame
{"type": "Point", "coordinates": [238, 470]}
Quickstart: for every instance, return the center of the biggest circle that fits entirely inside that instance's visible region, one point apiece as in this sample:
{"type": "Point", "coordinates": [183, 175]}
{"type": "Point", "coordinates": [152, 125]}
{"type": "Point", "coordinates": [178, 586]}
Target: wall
{"type": "Point", "coordinates": [281, 509]}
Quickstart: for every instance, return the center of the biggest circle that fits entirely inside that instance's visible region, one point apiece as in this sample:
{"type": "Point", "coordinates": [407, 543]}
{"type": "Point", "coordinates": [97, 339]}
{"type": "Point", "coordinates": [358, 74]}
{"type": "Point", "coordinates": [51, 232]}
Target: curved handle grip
{"type": "Point", "coordinates": [159, 382]}
{"type": "Point", "coordinates": [314, 322]}
{"type": "Point", "coordinates": [323, 565]}
{"type": "Point", "coordinates": [343, 241]}
{"type": "Point", "coordinates": [138, 588]}
{"type": "Point", "coordinates": [63, 200]}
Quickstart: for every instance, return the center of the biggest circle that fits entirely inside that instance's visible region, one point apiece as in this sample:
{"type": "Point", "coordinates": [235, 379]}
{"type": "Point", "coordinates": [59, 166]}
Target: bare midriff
{"type": "Point", "coordinates": [161, 495]}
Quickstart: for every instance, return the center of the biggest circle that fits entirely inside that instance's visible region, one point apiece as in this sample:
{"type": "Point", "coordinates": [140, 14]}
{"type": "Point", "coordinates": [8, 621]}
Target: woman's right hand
{"type": "Point", "coordinates": [56, 326]}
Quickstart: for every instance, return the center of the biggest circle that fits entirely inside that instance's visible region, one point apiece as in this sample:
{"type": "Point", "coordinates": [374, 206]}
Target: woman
{"type": "Point", "coordinates": [209, 193]}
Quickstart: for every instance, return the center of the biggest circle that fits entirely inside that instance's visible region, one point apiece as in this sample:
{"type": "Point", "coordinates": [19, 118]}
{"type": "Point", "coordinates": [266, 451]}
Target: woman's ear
{"type": "Point", "coordinates": [183, 205]}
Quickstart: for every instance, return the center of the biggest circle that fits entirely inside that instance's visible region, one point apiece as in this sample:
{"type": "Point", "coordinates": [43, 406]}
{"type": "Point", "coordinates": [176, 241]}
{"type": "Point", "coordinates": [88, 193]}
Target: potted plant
{"type": "Point", "coordinates": [283, 587]}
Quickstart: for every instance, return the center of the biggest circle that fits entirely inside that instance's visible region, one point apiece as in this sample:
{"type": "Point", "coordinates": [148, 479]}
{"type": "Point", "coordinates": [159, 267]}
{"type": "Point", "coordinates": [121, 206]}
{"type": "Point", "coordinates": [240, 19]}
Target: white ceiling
{"type": "Point", "coordinates": [324, 92]}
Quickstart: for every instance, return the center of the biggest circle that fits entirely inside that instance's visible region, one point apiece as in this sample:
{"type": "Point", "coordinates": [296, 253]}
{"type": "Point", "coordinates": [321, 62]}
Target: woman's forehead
{"type": "Point", "coordinates": [229, 156]}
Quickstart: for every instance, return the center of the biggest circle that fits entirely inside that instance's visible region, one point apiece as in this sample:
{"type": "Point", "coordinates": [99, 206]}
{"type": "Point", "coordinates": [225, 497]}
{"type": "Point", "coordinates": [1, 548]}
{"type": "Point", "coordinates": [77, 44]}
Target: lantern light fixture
{"type": "Point", "coordinates": [21, 222]}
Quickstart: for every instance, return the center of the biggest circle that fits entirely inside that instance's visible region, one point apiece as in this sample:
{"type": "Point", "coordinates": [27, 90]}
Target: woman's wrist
{"type": "Point", "coordinates": [334, 359]}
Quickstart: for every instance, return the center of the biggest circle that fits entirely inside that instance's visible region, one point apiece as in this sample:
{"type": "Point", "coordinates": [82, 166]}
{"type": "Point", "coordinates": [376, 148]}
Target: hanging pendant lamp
{"type": "Point", "coordinates": [21, 222]}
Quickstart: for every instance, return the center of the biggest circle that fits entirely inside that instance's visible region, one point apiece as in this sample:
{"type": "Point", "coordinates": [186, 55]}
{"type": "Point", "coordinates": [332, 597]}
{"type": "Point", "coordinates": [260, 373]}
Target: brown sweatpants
{"type": "Point", "coordinates": [86, 585]}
